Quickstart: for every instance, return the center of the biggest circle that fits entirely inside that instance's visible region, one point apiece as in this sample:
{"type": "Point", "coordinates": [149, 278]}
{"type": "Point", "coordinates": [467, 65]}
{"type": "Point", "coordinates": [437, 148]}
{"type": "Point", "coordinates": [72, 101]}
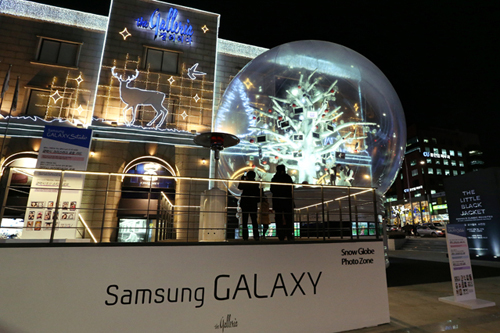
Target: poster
{"type": "Point", "coordinates": [474, 201]}
{"type": "Point", "coordinates": [62, 148]}
{"type": "Point", "coordinates": [460, 265]}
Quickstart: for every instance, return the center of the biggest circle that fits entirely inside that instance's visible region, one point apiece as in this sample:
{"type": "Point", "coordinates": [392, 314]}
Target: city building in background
{"type": "Point", "coordinates": [432, 154]}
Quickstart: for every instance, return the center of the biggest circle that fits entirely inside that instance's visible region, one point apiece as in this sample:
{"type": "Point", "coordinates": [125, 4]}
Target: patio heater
{"type": "Point", "coordinates": [213, 202]}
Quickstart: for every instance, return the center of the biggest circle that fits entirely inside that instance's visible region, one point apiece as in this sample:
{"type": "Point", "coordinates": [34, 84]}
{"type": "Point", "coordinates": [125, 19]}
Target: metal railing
{"type": "Point", "coordinates": [96, 207]}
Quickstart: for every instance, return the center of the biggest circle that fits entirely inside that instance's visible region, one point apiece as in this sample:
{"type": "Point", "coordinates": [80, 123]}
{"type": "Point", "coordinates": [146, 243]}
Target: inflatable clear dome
{"type": "Point", "coordinates": [324, 111]}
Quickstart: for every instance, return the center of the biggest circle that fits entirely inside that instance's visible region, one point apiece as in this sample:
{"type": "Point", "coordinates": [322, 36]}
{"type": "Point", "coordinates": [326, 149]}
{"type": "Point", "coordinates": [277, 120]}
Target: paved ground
{"type": "Point", "coordinates": [415, 308]}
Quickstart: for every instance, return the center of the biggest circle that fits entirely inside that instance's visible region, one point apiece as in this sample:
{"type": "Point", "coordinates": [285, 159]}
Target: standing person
{"type": "Point", "coordinates": [250, 197]}
{"type": "Point", "coordinates": [283, 203]}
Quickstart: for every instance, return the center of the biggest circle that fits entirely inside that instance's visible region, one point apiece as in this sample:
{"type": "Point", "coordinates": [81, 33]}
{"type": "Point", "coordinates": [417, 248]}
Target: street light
{"type": "Point", "coordinates": [426, 193]}
{"type": "Point", "coordinates": [409, 192]}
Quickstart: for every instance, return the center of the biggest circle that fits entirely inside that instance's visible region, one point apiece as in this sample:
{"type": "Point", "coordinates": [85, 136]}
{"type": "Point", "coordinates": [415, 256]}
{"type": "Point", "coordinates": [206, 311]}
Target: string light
{"type": "Point", "coordinates": [125, 33]}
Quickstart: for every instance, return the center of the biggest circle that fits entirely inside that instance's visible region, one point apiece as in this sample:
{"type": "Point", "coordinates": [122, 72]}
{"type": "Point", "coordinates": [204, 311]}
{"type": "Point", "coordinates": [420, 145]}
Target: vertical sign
{"type": "Point", "coordinates": [460, 266]}
{"type": "Point", "coordinates": [62, 148]}
{"type": "Point", "coordinates": [464, 293]}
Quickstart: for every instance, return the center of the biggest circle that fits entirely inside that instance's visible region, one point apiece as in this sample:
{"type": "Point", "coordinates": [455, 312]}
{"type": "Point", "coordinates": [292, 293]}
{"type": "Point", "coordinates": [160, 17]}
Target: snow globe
{"type": "Point", "coordinates": [323, 110]}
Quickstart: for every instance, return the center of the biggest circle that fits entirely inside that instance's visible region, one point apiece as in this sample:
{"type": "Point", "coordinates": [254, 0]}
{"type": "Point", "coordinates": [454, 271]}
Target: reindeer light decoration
{"type": "Point", "coordinates": [134, 97]}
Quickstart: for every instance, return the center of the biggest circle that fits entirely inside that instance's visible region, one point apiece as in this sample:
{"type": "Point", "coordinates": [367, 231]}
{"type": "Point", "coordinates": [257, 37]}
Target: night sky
{"type": "Point", "coordinates": [440, 56]}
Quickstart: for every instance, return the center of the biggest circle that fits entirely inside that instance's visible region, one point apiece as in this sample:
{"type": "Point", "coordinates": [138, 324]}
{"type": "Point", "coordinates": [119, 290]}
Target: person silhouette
{"type": "Point", "coordinates": [250, 197]}
{"type": "Point", "coordinates": [283, 204]}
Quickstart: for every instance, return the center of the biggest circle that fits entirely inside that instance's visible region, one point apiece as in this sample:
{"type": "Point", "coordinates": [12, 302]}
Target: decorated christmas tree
{"type": "Point", "coordinates": [308, 131]}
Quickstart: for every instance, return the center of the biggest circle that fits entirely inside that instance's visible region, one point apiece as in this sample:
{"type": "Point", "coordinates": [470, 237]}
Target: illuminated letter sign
{"type": "Point", "coordinates": [170, 29]}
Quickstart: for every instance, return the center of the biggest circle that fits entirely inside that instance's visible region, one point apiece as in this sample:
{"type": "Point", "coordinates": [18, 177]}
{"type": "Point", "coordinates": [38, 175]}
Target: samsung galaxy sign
{"type": "Point", "coordinates": [189, 288]}
{"type": "Point", "coordinates": [169, 28]}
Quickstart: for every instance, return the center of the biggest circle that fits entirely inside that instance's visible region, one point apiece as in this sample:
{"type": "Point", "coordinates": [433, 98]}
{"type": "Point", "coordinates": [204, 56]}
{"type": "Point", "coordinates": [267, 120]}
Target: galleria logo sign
{"type": "Point", "coordinates": [170, 29]}
{"type": "Point", "coordinates": [226, 323]}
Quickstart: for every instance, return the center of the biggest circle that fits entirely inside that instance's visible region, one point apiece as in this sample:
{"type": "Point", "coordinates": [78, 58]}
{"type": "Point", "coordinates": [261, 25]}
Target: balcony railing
{"type": "Point", "coordinates": [72, 206]}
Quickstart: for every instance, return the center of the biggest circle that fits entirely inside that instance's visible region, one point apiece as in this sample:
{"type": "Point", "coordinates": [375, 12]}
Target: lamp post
{"type": "Point", "coordinates": [426, 193]}
{"type": "Point", "coordinates": [409, 192]}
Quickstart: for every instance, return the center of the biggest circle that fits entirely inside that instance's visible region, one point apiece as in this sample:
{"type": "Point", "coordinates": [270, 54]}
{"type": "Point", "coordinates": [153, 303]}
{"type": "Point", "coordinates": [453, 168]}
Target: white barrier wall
{"type": "Point", "coordinates": [326, 287]}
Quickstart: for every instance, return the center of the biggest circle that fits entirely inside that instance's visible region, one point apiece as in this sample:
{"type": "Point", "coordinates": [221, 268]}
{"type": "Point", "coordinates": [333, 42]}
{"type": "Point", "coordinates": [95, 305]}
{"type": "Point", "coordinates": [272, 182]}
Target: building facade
{"type": "Point", "coordinates": [146, 80]}
{"type": "Point", "coordinates": [432, 154]}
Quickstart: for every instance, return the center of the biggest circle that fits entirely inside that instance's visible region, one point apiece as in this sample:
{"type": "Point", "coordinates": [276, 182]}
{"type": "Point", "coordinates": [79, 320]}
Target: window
{"type": "Point", "coordinates": [58, 52]}
{"type": "Point", "coordinates": [452, 152]}
{"type": "Point", "coordinates": [453, 163]}
{"type": "Point", "coordinates": [462, 172]}
{"type": "Point", "coordinates": [438, 162]}
{"type": "Point", "coordinates": [37, 103]}
{"type": "Point", "coordinates": [455, 173]}
{"type": "Point", "coordinates": [434, 140]}
{"type": "Point", "coordinates": [427, 149]}
{"type": "Point", "coordinates": [428, 161]}
{"type": "Point", "coordinates": [426, 140]}
{"type": "Point", "coordinates": [414, 172]}
{"type": "Point", "coordinates": [446, 162]}
{"type": "Point", "coordinates": [459, 153]}
{"type": "Point", "coordinates": [439, 172]}
{"type": "Point", "coordinates": [430, 171]}
{"type": "Point", "coordinates": [411, 141]}
{"type": "Point", "coordinates": [475, 152]}
{"type": "Point", "coordinates": [446, 172]}
{"type": "Point", "coordinates": [162, 61]}
{"type": "Point", "coordinates": [435, 150]}
{"type": "Point", "coordinates": [461, 164]}
{"type": "Point", "coordinates": [443, 151]}
{"type": "Point", "coordinates": [413, 162]}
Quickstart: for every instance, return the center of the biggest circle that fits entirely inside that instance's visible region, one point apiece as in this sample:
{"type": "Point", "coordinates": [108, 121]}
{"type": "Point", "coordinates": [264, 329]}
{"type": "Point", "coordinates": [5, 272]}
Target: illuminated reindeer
{"type": "Point", "coordinates": [134, 97]}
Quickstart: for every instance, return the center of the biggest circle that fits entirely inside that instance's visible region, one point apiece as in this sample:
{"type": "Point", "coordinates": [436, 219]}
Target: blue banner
{"type": "Point", "coordinates": [75, 136]}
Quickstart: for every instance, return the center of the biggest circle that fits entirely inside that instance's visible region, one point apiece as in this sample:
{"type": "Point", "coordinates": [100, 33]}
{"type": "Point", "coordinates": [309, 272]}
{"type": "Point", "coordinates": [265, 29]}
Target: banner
{"type": "Point", "coordinates": [320, 287]}
{"type": "Point", "coordinates": [464, 293]}
{"type": "Point", "coordinates": [62, 148]}
{"type": "Point", "coordinates": [460, 266]}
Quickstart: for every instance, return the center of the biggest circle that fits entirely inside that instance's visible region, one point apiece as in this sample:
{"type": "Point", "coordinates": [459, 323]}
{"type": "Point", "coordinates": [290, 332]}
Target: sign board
{"type": "Point", "coordinates": [473, 200]}
{"type": "Point", "coordinates": [462, 280]}
{"type": "Point", "coordinates": [62, 148]}
{"type": "Point", "coordinates": [321, 287]}
{"type": "Point", "coordinates": [460, 266]}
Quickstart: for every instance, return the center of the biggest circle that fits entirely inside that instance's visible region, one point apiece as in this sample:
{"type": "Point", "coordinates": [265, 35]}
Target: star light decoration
{"type": "Point", "coordinates": [205, 29]}
{"type": "Point", "coordinates": [56, 96]}
{"type": "Point", "coordinates": [125, 33]}
{"type": "Point", "coordinates": [306, 131]}
{"type": "Point", "coordinates": [79, 79]}
{"type": "Point", "coordinates": [80, 109]}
